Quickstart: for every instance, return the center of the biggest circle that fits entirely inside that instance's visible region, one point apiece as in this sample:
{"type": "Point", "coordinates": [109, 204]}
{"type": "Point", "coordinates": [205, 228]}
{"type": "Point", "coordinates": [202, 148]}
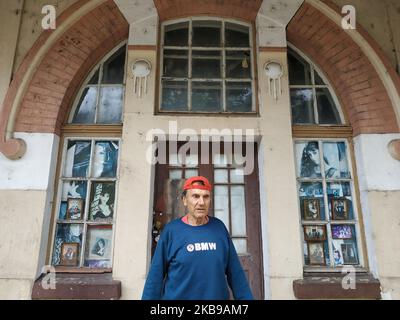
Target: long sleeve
{"type": "Point", "coordinates": [236, 277]}
{"type": "Point", "coordinates": [155, 280]}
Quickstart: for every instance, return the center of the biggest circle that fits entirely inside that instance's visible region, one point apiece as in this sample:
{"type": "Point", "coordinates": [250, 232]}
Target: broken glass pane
{"type": "Point", "coordinates": [238, 97]}
{"type": "Point", "coordinates": [85, 110]}
{"type": "Point", "coordinates": [238, 64]}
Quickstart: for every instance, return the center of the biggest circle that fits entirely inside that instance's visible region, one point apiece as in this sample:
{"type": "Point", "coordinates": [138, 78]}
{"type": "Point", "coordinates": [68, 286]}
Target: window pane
{"type": "Point", "coordinates": [191, 173]}
{"type": "Point", "coordinates": [206, 96]}
{"type": "Point", "coordinates": [174, 95]}
{"type": "Point", "coordinates": [67, 245]}
{"type": "Point", "coordinates": [238, 209]}
{"type": "Point", "coordinates": [175, 63]}
{"type": "Point", "coordinates": [191, 160]}
{"type": "Point", "coordinates": [206, 34]}
{"type": "Point", "coordinates": [299, 69]}
{"type": "Point", "coordinates": [345, 252]}
{"type": "Point", "coordinates": [77, 158]}
{"type": "Point", "coordinates": [176, 34]}
{"type": "Point", "coordinates": [105, 159]}
{"type": "Point", "coordinates": [238, 64]}
{"type": "Point", "coordinates": [113, 68]}
{"type": "Point", "coordinates": [302, 106]}
{"type": "Point", "coordinates": [340, 201]}
{"type": "Point", "coordinates": [110, 107]}
{"type": "Point", "coordinates": [221, 204]}
{"type": "Point", "coordinates": [236, 35]}
{"type": "Point", "coordinates": [74, 189]}
{"type": "Point", "coordinates": [102, 197]}
{"type": "Point", "coordinates": [327, 111]}
{"type": "Point", "coordinates": [95, 78]}
{"type": "Point", "coordinates": [206, 64]}
{"type": "Point", "coordinates": [237, 175]}
{"type": "Point", "coordinates": [98, 247]}
{"type": "Point", "coordinates": [312, 205]}
{"type": "Point", "coordinates": [87, 105]}
{"type": "Point", "coordinates": [308, 159]}
{"type": "Point", "coordinates": [240, 245]}
{"type": "Point", "coordinates": [316, 253]}
{"type": "Point", "coordinates": [220, 160]}
{"type": "Point", "coordinates": [317, 79]}
{"type": "Point", "coordinates": [335, 160]}
{"type": "Point", "coordinates": [175, 174]}
{"type": "Point", "coordinates": [221, 176]}
{"type": "Point", "coordinates": [238, 97]}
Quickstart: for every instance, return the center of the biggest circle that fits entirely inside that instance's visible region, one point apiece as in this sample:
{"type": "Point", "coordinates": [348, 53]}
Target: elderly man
{"type": "Point", "coordinates": [195, 258]}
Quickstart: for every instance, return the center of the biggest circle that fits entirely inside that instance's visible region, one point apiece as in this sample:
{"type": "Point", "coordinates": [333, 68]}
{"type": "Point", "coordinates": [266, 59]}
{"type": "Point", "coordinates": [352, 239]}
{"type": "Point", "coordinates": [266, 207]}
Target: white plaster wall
{"type": "Point", "coordinates": [377, 170]}
{"type": "Point", "coordinates": [32, 171]}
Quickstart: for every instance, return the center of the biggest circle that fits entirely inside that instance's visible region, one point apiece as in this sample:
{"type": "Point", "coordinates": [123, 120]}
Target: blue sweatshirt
{"type": "Point", "coordinates": [195, 263]}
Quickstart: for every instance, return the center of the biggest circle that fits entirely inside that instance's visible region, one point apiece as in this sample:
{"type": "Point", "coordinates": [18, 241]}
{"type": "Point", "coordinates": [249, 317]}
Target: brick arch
{"type": "Point", "coordinates": [59, 75]}
{"type": "Point", "coordinates": [239, 9]}
{"type": "Point", "coordinates": [362, 94]}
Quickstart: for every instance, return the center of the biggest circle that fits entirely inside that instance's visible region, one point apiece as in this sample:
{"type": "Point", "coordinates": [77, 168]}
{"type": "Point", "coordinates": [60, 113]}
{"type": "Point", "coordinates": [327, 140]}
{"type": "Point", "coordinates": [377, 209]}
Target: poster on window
{"type": "Point", "coordinates": [74, 189]}
{"type": "Point", "coordinates": [98, 248]}
{"type": "Point", "coordinates": [105, 159]}
{"type": "Point", "coordinates": [77, 159]}
{"type": "Point", "coordinates": [308, 159]}
{"type": "Point", "coordinates": [66, 233]}
{"type": "Point", "coordinates": [102, 197]}
{"type": "Point", "coordinates": [335, 160]}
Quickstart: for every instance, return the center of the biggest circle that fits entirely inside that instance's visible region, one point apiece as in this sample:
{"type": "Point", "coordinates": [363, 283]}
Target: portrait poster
{"type": "Point", "coordinates": [312, 209]}
{"type": "Point", "coordinates": [105, 159]}
{"type": "Point", "coordinates": [102, 197]}
{"type": "Point", "coordinates": [335, 160]}
{"type": "Point", "coordinates": [75, 208]}
{"type": "Point", "coordinates": [77, 159]}
{"type": "Point", "coordinates": [311, 189]}
{"type": "Point", "coordinates": [308, 161]}
{"type": "Point", "coordinates": [349, 253]}
{"type": "Point", "coordinates": [340, 209]}
{"type": "Point", "coordinates": [66, 233]}
{"type": "Point", "coordinates": [69, 254]}
{"type": "Point", "coordinates": [316, 253]}
{"type": "Point", "coordinates": [98, 248]}
{"type": "Point", "coordinates": [337, 252]}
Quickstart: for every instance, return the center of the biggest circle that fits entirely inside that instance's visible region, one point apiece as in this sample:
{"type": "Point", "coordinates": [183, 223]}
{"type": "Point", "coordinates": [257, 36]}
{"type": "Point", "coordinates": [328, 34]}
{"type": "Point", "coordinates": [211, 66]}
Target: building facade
{"type": "Point", "coordinates": [291, 113]}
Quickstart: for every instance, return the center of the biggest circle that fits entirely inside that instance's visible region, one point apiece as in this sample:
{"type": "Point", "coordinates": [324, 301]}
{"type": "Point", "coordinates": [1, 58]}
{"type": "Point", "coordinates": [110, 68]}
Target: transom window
{"type": "Point", "coordinates": [206, 66]}
{"type": "Point", "coordinates": [310, 95]}
{"type": "Point", "coordinates": [101, 98]}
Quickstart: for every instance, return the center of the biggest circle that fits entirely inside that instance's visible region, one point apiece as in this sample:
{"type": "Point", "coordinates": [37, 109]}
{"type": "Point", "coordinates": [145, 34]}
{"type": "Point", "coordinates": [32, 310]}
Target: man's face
{"type": "Point", "coordinates": [197, 202]}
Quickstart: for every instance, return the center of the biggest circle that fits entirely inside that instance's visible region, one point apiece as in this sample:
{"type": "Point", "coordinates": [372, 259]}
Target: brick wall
{"type": "Point", "coordinates": [362, 94]}
{"type": "Point", "coordinates": [239, 9]}
{"type": "Point", "coordinates": [50, 94]}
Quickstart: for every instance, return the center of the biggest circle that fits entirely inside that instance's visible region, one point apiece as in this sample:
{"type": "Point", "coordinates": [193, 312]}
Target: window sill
{"type": "Point", "coordinates": [329, 286]}
{"type": "Point", "coordinates": [251, 114]}
{"type": "Point", "coordinates": [82, 286]}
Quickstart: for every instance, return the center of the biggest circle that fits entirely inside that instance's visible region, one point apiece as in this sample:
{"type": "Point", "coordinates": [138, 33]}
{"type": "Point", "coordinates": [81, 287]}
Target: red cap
{"type": "Point", "coordinates": [189, 183]}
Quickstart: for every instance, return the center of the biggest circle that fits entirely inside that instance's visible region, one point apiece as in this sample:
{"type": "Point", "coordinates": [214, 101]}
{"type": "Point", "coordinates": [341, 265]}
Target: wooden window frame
{"type": "Point", "coordinates": [81, 132]}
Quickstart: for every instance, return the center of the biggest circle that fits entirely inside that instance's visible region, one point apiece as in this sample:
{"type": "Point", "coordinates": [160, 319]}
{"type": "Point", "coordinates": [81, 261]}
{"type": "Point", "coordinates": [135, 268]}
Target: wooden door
{"type": "Point", "coordinates": [236, 201]}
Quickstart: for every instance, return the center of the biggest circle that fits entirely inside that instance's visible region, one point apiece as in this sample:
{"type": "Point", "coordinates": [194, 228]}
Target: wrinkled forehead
{"type": "Point", "coordinates": [201, 192]}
